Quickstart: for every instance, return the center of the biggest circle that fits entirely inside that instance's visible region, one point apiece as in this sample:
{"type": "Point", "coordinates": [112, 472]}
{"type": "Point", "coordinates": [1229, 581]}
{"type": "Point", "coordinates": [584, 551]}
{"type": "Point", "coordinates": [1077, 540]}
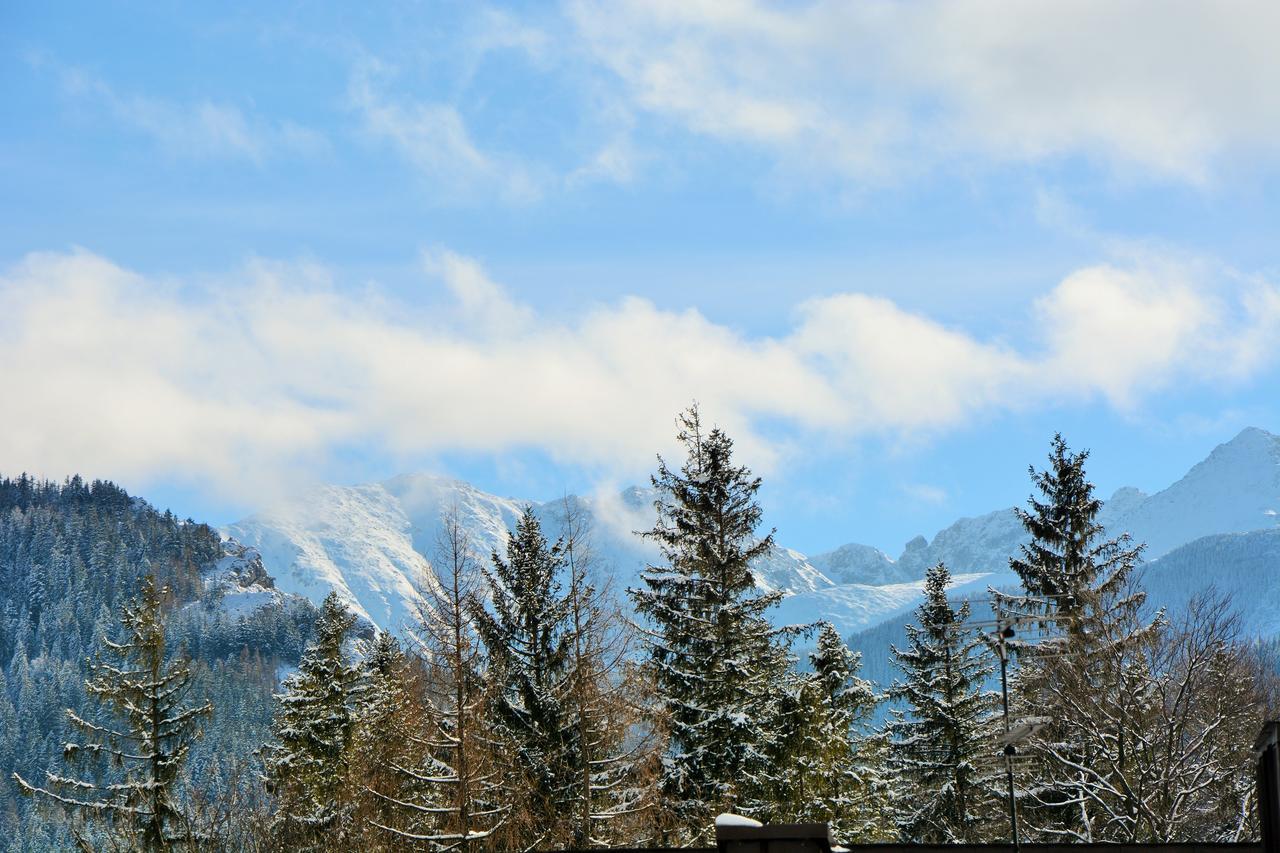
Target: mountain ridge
{"type": "Point", "coordinates": [373, 542]}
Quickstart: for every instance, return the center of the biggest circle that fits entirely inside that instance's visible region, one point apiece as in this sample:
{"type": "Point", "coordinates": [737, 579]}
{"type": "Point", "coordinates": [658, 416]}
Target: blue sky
{"type": "Point", "coordinates": [890, 247]}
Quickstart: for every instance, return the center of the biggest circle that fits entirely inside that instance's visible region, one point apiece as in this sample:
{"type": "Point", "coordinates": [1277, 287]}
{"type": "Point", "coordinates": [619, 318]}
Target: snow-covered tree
{"type": "Point", "coordinates": [942, 735]}
{"type": "Point", "coordinates": [308, 767]}
{"type": "Point", "coordinates": [1195, 767]}
{"type": "Point", "coordinates": [1069, 570]}
{"type": "Point", "coordinates": [147, 734]}
{"type": "Point", "coordinates": [526, 636]}
{"type": "Point", "coordinates": [1089, 672]}
{"type": "Point", "coordinates": [713, 657]}
{"type": "Point", "coordinates": [832, 762]}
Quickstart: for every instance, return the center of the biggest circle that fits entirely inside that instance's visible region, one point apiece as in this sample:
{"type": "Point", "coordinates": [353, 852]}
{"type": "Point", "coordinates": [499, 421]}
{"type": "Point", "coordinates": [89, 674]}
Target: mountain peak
{"type": "Point", "coordinates": [1250, 440]}
{"type": "Point", "coordinates": [1235, 489]}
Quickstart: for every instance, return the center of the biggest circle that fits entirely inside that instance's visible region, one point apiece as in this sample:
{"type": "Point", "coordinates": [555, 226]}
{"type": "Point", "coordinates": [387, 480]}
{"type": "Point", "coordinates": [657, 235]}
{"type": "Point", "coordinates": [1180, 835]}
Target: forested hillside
{"type": "Point", "coordinates": [70, 555]}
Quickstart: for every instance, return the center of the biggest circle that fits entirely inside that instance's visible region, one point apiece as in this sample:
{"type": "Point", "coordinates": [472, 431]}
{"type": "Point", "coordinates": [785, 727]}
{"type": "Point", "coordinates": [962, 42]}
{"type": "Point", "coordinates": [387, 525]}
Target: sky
{"type": "Point", "coordinates": [890, 248]}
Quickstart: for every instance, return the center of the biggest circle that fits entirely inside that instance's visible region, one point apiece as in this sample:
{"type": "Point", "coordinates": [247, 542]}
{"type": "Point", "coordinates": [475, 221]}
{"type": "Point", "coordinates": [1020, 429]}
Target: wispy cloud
{"type": "Point", "coordinates": [925, 493]}
{"type": "Point", "coordinates": [199, 129]}
{"type": "Point", "coordinates": [433, 136]}
{"type": "Point", "coordinates": [248, 382]}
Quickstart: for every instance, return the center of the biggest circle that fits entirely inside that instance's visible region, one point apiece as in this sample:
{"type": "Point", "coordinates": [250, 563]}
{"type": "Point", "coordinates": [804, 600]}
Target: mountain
{"type": "Point", "coordinates": [373, 542]}
{"type": "Point", "coordinates": [1235, 490]}
{"type": "Point", "coordinates": [860, 564]}
{"type": "Point", "coordinates": [1244, 568]}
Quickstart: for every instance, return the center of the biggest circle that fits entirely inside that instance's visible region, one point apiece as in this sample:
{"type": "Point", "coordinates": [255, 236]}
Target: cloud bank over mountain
{"type": "Point", "coordinates": [243, 379]}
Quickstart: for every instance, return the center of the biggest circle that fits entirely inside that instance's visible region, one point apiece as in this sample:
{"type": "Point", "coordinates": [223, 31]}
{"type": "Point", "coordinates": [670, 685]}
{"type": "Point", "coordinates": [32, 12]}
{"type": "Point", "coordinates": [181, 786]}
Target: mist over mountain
{"type": "Point", "coordinates": [373, 543]}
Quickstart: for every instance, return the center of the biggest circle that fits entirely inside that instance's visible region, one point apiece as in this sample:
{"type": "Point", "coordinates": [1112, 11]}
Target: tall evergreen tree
{"type": "Point", "coordinates": [144, 689]}
{"type": "Point", "coordinates": [1097, 683]}
{"type": "Point", "coordinates": [526, 638]}
{"type": "Point", "coordinates": [1069, 570]}
{"type": "Point", "coordinates": [308, 767]}
{"type": "Point", "coordinates": [714, 658]}
{"type": "Point", "coordinates": [942, 738]}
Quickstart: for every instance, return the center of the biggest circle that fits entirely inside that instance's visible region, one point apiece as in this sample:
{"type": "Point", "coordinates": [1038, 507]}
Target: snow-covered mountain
{"type": "Point", "coordinates": [373, 542]}
{"type": "Point", "coordinates": [1236, 489]}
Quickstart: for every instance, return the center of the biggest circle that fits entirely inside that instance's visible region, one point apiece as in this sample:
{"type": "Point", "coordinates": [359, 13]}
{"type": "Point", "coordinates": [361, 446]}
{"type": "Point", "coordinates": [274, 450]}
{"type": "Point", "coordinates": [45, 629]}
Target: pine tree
{"type": "Point", "coordinates": [942, 738]}
{"type": "Point", "coordinates": [833, 761]}
{"type": "Point", "coordinates": [1097, 684]}
{"type": "Point", "coordinates": [308, 768]}
{"type": "Point", "coordinates": [526, 639]}
{"type": "Point", "coordinates": [714, 658]}
{"type": "Point", "coordinates": [145, 689]}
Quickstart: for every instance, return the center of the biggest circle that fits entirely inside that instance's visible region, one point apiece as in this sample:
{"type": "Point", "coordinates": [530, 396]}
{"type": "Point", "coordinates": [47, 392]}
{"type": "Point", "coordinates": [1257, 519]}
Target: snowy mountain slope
{"type": "Point", "coordinates": [356, 540]}
{"type": "Point", "coordinates": [1243, 567]}
{"type": "Point", "coordinates": [373, 543]}
{"type": "Point", "coordinates": [852, 607]}
{"type": "Point", "coordinates": [1235, 490]}
{"type": "Point", "coordinates": [860, 564]}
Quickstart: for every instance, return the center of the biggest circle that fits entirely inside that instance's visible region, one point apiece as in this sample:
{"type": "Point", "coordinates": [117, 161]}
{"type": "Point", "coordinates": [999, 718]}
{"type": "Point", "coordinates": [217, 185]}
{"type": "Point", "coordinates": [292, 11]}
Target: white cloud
{"type": "Point", "coordinates": [245, 383]}
{"type": "Point", "coordinates": [868, 90]}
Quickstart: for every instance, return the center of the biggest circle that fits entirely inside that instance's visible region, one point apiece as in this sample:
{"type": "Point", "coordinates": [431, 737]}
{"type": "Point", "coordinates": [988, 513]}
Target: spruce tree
{"type": "Point", "coordinates": [144, 689]}
{"type": "Point", "coordinates": [833, 761]}
{"type": "Point", "coordinates": [713, 656]}
{"type": "Point", "coordinates": [1069, 570]}
{"type": "Point", "coordinates": [942, 737]}
{"type": "Point", "coordinates": [527, 642]}
{"type": "Point", "coordinates": [308, 767]}
{"type": "Point", "coordinates": [1097, 684]}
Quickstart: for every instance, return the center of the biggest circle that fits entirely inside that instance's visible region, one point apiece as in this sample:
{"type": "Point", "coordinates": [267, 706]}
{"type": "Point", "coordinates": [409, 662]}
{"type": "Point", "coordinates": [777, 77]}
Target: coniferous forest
{"type": "Point", "coordinates": [534, 706]}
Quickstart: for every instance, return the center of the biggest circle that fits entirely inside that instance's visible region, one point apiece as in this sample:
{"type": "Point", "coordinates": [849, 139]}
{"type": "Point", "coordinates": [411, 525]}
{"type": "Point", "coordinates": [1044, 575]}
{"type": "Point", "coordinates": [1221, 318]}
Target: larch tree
{"type": "Point", "coordinates": [453, 797]}
{"type": "Point", "coordinates": [943, 734]}
{"type": "Point", "coordinates": [613, 757]}
{"type": "Point", "coordinates": [713, 656]}
{"type": "Point", "coordinates": [308, 767]}
{"type": "Point", "coordinates": [147, 733]}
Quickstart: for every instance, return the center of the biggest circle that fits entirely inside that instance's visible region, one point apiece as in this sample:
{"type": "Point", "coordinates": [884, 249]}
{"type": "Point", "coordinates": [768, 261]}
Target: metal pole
{"type": "Point", "coordinates": [1009, 749]}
